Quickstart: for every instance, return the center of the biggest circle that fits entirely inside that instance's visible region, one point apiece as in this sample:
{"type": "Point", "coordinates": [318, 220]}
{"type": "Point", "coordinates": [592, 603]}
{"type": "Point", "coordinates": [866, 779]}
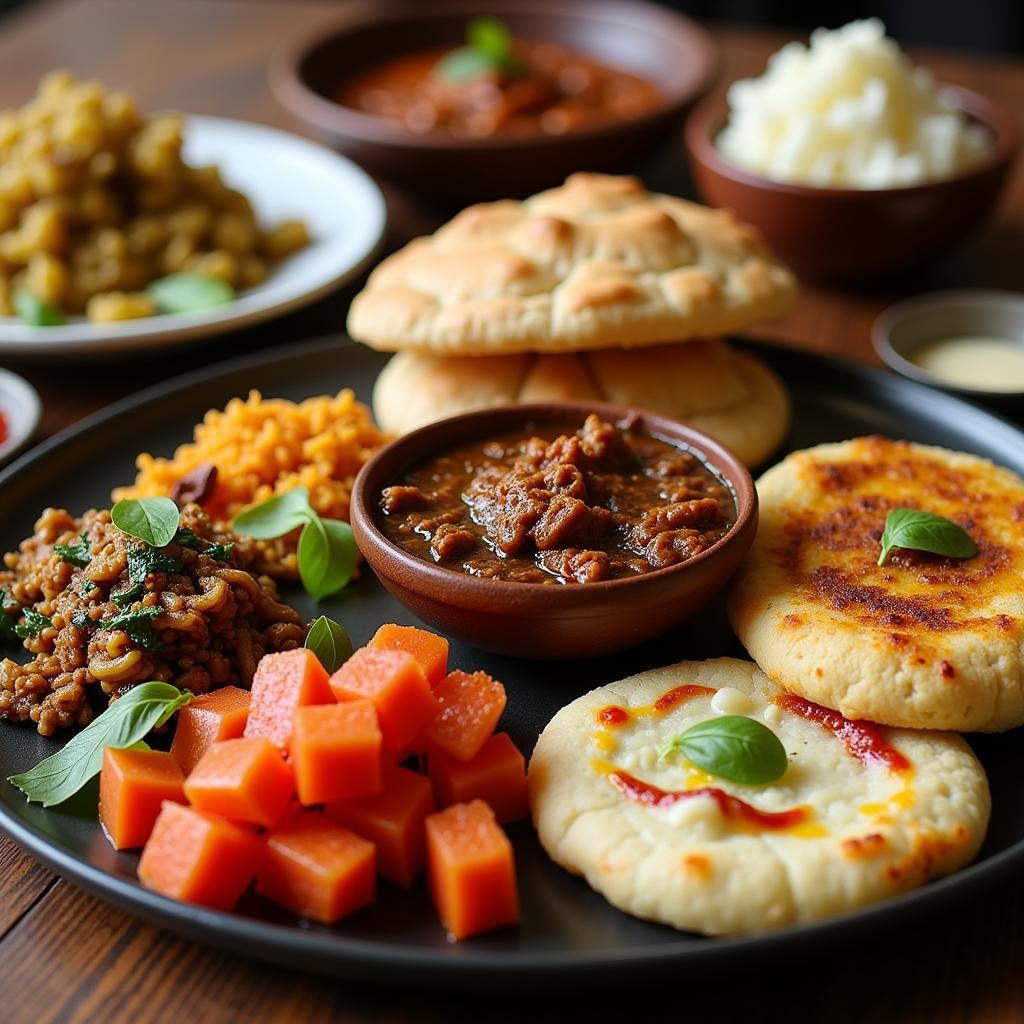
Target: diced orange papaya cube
{"type": "Point", "coordinates": [497, 775]}
{"type": "Point", "coordinates": [199, 858]}
{"type": "Point", "coordinates": [470, 870]}
{"type": "Point", "coordinates": [470, 708]}
{"type": "Point", "coordinates": [336, 751]}
{"type": "Point", "coordinates": [284, 682]}
{"type": "Point", "coordinates": [393, 821]}
{"type": "Point", "coordinates": [316, 868]}
{"type": "Point", "coordinates": [133, 786]}
{"type": "Point", "coordinates": [396, 684]}
{"type": "Point", "coordinates": [244, 780]}
{"type": "Point", "coordinates": [220, 715]}
{"type": "Point", "coordinates": [429, 649]}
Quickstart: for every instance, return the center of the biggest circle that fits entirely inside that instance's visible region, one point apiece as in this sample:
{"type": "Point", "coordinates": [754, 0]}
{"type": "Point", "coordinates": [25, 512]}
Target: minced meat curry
{"type": "Point", "coordinates": [100, 611]}
{"type": "Point", "coordinates": [604, 503]}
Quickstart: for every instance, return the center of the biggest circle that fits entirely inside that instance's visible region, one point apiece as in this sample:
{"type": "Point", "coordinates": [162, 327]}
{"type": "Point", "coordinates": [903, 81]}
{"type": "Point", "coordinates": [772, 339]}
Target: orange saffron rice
{"type": "Point", "coordinates": [264, 447]}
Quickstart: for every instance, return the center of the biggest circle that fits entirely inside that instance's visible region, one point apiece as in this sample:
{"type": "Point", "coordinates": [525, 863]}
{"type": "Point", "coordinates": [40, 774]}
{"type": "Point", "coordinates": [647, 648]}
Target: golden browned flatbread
{"type": "Point", "coordinates": [922, 641]}
{"type": "Point", "coordinates": [598, 262]}
{"type": "Point", "coordinates": [714, 387]}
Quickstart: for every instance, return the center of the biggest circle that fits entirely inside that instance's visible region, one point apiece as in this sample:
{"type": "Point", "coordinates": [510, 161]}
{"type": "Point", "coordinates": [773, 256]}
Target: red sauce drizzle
{"type": "Point", "coordinates": [862, 739]}
{"type": "Point", "coordinates": [669, 700]}
{"type": "Point", "coordinates": [730, 806]}
{"type": "Point", "coordinates": [613, 715]}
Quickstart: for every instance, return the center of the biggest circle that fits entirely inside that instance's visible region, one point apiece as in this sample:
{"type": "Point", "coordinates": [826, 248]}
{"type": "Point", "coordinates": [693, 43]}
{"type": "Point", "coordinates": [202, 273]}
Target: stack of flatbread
{"type": "Point", "coordinates": [597, 290]}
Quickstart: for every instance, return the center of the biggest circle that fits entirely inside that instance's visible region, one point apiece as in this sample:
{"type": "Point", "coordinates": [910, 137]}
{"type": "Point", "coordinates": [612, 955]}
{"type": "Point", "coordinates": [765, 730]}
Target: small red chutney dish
{"type": "Point", "coordinates": [559, 530]}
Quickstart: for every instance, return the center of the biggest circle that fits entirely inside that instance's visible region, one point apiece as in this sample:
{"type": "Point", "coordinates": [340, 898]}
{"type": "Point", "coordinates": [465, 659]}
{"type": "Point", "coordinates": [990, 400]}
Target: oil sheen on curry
{"type": "Point", "coordinates": [548, 91]}
{"type": "Point", "coordinates": [606, 502]}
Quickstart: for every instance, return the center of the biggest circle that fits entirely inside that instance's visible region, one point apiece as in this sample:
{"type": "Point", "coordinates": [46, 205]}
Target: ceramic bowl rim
{"type": "Point", "coordinates": [908, 309]}
{"type": "Point", "coordinates": [464, 590]}
{"type": "Point", "coordinates": [707, 119]}
{"type": "Point", "coordinates": [295, 94]}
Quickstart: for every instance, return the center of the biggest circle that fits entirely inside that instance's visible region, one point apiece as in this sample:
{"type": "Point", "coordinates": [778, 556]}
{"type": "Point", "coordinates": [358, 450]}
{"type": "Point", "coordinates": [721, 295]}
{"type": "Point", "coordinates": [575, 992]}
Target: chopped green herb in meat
{"type": "Point", "coordinates": [32, 624]}
{"type": "Point", "coordinates": [187, 539]}
{"type": "Point", "coordinates": [77, 553]}
{"type": "Point", "coordinates": [141, 562]}
{"type": "Point", "coordinates": [138, 625]}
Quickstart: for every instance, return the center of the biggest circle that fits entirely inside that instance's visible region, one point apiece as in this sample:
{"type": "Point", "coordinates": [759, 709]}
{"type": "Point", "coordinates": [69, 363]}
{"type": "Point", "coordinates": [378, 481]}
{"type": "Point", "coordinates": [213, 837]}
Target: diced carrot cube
{"type": "Point", "coordinates": [220, 715]}
{"type": "Point", "coordinates": [244, 780]}
{"type": "Point", "coordinates": [284, 682]}
{"type": "Point", "coordinates": [395, 683]}
{"type": "Point", "coordinates": [497, 775]}
{"type": "Point", "coordinates": [393, 821]}
{"type": "Point", "coordinates": [199, 858]}
{"type": "Point", "coordinates": [133, 786]}
{"type": "Point", "coordinates": [470, 708]}
{"type": "Point", "coordinates": [471, 870]}
{"type": "Point", "coordinates": [317, 868]}
{"type": "Point", "coordinates": [429, 649]}
{"type": "Point", "coordinates": [336, 751]}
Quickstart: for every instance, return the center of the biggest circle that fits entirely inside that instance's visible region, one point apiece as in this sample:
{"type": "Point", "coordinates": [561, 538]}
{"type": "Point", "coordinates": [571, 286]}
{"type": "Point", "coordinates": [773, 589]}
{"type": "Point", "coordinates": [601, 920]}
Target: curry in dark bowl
{"type": "Point", "coordinates": [605, 502]}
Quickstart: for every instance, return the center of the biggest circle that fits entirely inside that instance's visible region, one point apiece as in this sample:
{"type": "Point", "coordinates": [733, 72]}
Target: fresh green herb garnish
{"type": "Point", "coordinates": [125, 722]}
{"type": "Point", "coordinates": [326, 556]}
{"type": "Point", "coordinates": [328, 640]}
{"type": "Point", "coordinates": [83, 620]}
{"type": "Point", "coordinates": [189, 293]}
{"type": "Point", "coordinates": [77, 552]}
{"type": "Point", "coordinates": [35, 312]}
{"type": "Point", "coordinates": [32, 624]}
{"type": "Point", "coordinates": [186, 538]}
{"type": "Point", "coordinates": [326, 552]}
{"type": "Point", "coordinates": [8, 634]}
{"type": "Point", "coordinates": [732, 747]}
{"type": "Point", "coordinates": [489, 49]}
{"type": "Point", "coordinates": [925, 531]}
{"type": "Point", "coordinates": [154, 520]}
{"type": "Point", "coordinates": [141, 562]}
{"type": "Point", "coordinates": [138, 625]}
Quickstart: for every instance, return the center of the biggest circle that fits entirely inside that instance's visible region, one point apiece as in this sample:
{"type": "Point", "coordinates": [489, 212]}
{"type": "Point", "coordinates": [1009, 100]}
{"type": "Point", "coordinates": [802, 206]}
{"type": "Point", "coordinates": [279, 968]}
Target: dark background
{"type": "Point", "coordinates": [995, 26]}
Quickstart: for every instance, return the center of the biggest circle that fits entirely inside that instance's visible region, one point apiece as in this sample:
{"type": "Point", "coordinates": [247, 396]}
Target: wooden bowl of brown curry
{"type": "Point", "coordinates": [554, 530]}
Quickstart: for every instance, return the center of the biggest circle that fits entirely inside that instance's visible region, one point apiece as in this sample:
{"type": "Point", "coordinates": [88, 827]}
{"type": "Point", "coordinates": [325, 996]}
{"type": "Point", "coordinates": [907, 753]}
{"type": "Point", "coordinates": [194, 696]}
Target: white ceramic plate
{"type": "Point", "coordinates": [286, 177]}
{"type": "Point", "coordinates": [20, 407]}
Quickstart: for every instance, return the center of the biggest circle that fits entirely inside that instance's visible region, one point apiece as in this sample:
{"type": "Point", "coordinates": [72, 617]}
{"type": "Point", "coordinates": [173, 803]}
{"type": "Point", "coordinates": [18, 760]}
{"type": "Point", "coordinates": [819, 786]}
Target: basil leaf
{"type": "Point", "coordinates": [32, 624]}
{"type": "Point", "coordinates": [76, 553]}
{"type": "Point", "coordinates": [326, 556]}
{"type": "Point", "coordinates": [328, 640]}
{"type": "Point", "coordinates": [463, 65]}
{"type": "Point", "coordinates": [733, 747]}
{"type": "Point", "coordinates": [189, 293]}
{"type": "Point", "coordinates": [137, 625]}
{"type": "Point", "coordinates": [154, 520]}
{"type": "Point", "coordinates": [35, 312]}
{"type": "Point", "coordinates": [125, 722]}
{"type": "Point", "coordinates": [8, 635]}
{"type": "Point", "coordinates": [490, 37]}
{"type": "Point", "coordinates": [925, 531]}
{"type": "Point", "coordinates": [276, 516]}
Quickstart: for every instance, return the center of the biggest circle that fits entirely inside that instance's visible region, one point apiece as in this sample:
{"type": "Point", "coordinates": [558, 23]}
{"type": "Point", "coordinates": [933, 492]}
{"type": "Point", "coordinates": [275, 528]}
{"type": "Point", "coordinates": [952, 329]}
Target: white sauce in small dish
{"type": "Point", "coordinates": [988, 364]}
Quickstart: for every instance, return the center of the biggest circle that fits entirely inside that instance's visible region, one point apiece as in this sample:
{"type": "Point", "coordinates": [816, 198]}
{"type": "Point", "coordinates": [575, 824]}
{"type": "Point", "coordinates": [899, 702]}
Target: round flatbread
{"type": "Point", "coordinates": [860, 814]}
{"type": "Point", "coordinates": [598, 262]}
{"type": "Point", "coordinates": [714, 387]}
{"type": "Point", "coordinates": [923, 641]}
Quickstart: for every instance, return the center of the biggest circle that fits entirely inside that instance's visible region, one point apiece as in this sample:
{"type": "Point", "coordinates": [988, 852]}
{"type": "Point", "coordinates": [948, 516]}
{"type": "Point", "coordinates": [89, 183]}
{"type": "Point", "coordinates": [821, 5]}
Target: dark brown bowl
{"type": "Point", "coordinates": [840, 234]}
{"type": "Point", "coordinates": [664, 47]}
{"type": "Point", "coordinates": [542, 620]}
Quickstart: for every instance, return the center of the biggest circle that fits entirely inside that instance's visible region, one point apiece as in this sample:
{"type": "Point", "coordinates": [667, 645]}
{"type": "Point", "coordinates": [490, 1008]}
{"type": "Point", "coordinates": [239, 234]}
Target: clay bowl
{"type": "Point", "coordinates": [664, 47]}
{"type": "Point", "coordinates": [547, 620]}
{"type": "Point", "coordinates": [840, 234]}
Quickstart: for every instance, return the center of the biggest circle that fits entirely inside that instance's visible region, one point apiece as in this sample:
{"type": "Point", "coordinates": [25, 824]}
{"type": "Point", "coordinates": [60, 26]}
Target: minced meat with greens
{"type": "Point", "coordinates": [100, 611]}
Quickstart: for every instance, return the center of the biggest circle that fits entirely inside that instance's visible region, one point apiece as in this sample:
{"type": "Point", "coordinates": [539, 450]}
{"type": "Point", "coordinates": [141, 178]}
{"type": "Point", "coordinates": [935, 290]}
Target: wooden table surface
{"type": "Point", "coordinates": [65, 956]}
